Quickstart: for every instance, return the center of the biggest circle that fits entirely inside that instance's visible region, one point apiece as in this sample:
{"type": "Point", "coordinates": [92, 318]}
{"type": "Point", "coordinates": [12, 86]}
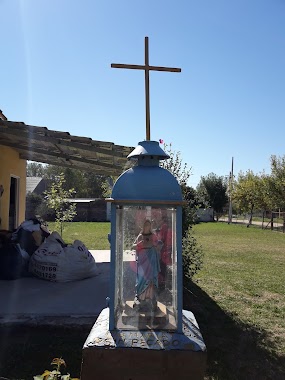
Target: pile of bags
{"type": "Point", "coordinates": [33, 250]}
{"type": "Point", "coordinates": [16, 248]}
{"type": "Point", "coordinates": [56, 261]}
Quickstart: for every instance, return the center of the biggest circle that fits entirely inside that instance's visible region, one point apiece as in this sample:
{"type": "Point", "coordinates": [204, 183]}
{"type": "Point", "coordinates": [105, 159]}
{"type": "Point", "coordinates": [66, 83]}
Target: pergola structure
{"type": "Point", "coordinates": [63, 149]}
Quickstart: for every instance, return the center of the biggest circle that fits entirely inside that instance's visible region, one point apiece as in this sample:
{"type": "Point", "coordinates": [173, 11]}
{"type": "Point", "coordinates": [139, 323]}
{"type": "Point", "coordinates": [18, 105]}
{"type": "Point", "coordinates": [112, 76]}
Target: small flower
{"type": "Point", "coordinates": [161, 141]}
{"type": "Point", "coordinates": [58, 362]}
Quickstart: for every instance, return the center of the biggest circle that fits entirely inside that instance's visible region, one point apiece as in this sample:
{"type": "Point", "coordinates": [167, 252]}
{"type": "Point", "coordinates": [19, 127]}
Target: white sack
{"type": "Point", "coordinates": [54, 261]}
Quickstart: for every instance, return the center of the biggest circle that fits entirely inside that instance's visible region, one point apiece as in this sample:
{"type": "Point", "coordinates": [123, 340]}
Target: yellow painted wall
{"type": "Point", "coordinates": [11, 165]}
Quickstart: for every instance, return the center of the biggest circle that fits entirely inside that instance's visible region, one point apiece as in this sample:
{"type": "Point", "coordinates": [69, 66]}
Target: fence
{"type": "Point", "coordinates": [273, 220]}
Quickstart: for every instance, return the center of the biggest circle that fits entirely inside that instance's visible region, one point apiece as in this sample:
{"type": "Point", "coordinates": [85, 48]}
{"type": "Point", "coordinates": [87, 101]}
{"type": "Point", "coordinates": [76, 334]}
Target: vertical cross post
{"type": "Point", "coordinates": [147, 102]}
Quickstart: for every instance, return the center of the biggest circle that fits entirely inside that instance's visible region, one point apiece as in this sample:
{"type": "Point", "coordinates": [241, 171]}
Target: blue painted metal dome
{"type": "Point", "coordinates": [147, 181]}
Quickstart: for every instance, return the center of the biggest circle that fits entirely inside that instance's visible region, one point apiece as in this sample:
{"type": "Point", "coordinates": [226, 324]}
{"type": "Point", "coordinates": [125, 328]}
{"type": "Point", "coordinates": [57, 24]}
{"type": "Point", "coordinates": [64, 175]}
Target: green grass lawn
{"type": "Point", "coordinates": [239, 297]}
{"type": "Point", "coordinates": [93, 235]}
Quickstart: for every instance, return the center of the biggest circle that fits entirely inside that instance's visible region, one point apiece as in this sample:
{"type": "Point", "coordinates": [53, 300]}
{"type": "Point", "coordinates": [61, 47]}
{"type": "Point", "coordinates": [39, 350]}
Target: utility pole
{"type": "Point", "coordinates": [230, 216]}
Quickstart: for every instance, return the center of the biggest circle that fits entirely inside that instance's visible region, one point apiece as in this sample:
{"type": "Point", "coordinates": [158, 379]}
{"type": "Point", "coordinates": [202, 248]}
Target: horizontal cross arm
{"type": "Point", "coordinates": [143, 67]}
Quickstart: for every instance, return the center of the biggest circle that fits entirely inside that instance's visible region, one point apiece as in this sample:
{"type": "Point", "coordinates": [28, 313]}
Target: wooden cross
{"type": "Point", "coordinates": [147, 68]}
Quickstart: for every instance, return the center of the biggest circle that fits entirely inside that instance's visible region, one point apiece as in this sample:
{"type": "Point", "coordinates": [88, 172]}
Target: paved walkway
{"type": "Point", "coordinates": [31, 300]}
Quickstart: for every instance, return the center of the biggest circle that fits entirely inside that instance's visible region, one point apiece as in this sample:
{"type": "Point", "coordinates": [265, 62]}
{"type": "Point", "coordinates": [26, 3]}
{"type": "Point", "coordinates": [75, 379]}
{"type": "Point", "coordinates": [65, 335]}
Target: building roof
{"type": "Point", "coordinates": [82, 200]}
{"type": "Point", "coordinates": [2, 116]}
{"type": "Point", "coordinates": [32, 183]}
{"type": "Point", "coordinates": [63, 149]}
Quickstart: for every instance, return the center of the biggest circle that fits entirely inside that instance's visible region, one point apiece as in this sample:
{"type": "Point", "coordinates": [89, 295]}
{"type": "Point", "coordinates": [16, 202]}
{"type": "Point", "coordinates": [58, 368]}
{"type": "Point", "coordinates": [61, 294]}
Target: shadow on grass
{"type": "Point", "coordinates": [236, 351]}
{"type": "Point", "coordinates": [28, 351]}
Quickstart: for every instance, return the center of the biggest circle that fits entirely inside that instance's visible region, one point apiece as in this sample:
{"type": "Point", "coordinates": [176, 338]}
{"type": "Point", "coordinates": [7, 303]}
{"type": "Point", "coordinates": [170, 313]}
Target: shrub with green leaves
{"type": "Point", "coordinates": [56, 198]}
{"type": "Point", "coordinates": [192, 254]}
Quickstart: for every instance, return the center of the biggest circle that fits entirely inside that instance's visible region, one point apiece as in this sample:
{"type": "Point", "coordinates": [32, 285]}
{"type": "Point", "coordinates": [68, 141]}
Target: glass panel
{"type": "Point", "coordinates": [146, 278]}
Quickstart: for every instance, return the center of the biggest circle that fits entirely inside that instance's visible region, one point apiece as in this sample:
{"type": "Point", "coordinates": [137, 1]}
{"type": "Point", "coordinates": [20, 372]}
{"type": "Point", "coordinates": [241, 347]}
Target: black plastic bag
{"type": "Point", "coordinates": [12, 264]}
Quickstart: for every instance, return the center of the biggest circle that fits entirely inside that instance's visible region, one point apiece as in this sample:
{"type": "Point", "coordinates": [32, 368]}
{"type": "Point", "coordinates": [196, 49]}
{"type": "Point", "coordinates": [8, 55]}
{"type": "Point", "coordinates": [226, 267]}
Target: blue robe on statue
{"type": "Point", "coordinates": [148, 268]}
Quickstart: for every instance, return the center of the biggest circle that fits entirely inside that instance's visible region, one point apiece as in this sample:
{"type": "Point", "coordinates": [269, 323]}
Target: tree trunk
{"type": "Point", "coordinates": [250, 218]}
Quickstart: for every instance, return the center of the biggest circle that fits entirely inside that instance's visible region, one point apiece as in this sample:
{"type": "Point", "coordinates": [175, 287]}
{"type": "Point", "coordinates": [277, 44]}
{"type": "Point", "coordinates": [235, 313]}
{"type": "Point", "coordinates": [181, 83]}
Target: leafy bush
{"type": "Point", "coordinates": [191, 252]}
{"type": "Point", "coordinates": [34, 199]}
{"type": "Point", "coordinates": [45, 212]}
{"type": "Point", "coordinates": [33, 203]}
{"type": "Point", "coordinates": [192, 255]}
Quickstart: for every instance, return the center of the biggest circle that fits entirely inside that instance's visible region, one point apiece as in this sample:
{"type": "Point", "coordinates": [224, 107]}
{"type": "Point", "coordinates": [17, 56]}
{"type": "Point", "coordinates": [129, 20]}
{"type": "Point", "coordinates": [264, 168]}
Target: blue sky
{"type": "Point", "coordinates": [228, 101]}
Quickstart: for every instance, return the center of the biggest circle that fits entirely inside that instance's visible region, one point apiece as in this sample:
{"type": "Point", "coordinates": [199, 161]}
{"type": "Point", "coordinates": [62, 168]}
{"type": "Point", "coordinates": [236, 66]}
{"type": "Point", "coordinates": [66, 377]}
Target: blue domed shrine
{"type": "Point", "coordinates": [144, 333]}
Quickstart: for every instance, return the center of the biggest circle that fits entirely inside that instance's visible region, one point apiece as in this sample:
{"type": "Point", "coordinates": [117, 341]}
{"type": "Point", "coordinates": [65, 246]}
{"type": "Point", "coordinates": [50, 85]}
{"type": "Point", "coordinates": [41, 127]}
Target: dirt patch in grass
{"type": "Point", "coordinates": [269, 296]}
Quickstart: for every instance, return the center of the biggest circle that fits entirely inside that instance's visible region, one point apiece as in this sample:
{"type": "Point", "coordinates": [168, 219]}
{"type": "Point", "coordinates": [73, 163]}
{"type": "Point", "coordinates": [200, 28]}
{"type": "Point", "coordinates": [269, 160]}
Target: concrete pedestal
{"type": "Point", "coordinates": [144, 354]}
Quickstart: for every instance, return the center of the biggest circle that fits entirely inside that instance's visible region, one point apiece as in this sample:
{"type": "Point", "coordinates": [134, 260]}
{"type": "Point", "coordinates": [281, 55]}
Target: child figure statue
{"type": "Point", "coordinates": [148, 249]}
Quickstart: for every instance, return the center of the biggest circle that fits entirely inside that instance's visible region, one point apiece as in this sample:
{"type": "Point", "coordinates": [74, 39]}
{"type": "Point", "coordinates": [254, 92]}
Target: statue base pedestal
{"type": "Point", "coordinates": [144, 319]}
{"type": "Point", "coordinates": [144, 354]}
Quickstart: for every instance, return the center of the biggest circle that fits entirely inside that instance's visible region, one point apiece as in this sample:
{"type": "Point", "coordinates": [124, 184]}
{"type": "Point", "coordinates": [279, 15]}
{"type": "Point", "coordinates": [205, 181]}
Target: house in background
{"type": "Point", "coordinates": [91, 210]}
{"type": "Point", "coordinates": [36, 185]}
{"type": "Point", "coordinates": [13, 182]}
{"type": "Point", "coordinates": [87, 209]}
{"type": "Point", "coordinates": [205, 214]}
{"type": "Point", "coordinates": [20, 142]}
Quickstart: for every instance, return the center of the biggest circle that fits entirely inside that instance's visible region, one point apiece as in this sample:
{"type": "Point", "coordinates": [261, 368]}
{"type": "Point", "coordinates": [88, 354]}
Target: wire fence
{"type": "Point", "coordinates": [272, 220]}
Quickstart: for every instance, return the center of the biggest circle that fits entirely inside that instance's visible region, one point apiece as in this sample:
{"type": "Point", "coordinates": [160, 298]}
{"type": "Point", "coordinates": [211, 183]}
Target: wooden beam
{"type": "Point", "coordinates": [41, 138]}
{"type": "Point", "coordinates": [32, 150]}
{"type": "Point", "coordinates": [69, 164]}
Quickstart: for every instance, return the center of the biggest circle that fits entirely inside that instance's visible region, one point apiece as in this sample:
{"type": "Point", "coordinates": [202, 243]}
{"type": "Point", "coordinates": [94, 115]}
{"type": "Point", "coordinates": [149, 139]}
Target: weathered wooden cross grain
{"type": "Point", "coordinates": [147, 68]}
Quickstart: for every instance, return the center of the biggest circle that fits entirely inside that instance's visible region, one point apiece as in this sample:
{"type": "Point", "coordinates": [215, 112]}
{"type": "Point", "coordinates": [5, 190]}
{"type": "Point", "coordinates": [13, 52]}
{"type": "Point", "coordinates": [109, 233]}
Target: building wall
{"type": "Point", "coordinates": [11, 165]}
{"type": "Point", "coordinates": [95, 211]}
{"type": "Point", "coordinates": [205, 214]}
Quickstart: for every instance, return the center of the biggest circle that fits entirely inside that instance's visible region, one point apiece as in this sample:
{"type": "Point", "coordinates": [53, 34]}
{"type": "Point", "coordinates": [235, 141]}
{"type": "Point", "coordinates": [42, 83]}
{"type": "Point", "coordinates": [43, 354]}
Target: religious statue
{"type": "Point", "coordinates": [148, 249]}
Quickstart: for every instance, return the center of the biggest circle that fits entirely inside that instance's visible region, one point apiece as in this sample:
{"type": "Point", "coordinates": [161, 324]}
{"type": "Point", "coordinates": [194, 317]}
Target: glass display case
{"type": "Point", "coordinates": [146, 245]}
{"type": "Point", "coordinates": [146, 268]}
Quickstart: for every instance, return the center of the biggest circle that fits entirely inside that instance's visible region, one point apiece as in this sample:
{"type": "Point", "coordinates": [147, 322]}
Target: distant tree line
{"type": "Point", "coordinates": [260, 192]}
{"type": "Point", "coordinates": [86, 184]}
{"type": "Point", "coordinates": [210, 192]}
{"type": "Point", "coordinates": [249, 192]}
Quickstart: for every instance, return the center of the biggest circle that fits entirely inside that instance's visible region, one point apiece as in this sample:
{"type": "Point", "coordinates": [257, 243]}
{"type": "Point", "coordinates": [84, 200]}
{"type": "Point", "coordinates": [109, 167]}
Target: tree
{"type": "Point", "coordinates": [182, 173]}
{"type": "Point", "coordinates": [73, 177]}
{"type": "Point", "coordinates": [57, 199]}
{"type": "Point", "coordinates": [35, 169]}
{"type": "Point", "coordinates": [249, 192]}
{"type": "Point", "coordinates": [212, 192]}
{"type": "Point", "coordinates": [192, 253]}
{"type": "Point", "coordinates": [107, 186]}
{"type": "Point", "coordinates": [94, 185]}
{"type": "Point", "coordinates": [276, 183]}
{"type": "Point", "coordinates": [174, 164]}
{"type": "Point", "coordinates": [189, 211]}
{"type": "Point", "coordinates": [86, 183]}
{"type": "Point", "coordinates": [33, 203]}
